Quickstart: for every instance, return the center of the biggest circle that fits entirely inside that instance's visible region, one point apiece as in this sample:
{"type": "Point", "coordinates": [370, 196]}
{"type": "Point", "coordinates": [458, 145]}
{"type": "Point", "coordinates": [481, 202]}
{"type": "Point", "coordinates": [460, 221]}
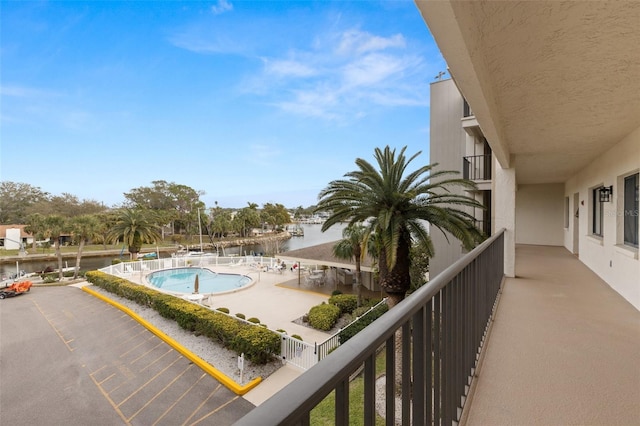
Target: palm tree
{"type": "Point", "coordinates": [398, 205]}
{"type": "Point", "coordinates": [135, 227]}
{"type": "Point", "coordinates": [54, 226]}
{"type": "Point", "coordinates": [353, 246]}
{"type": "Point", "coordinates": [35, 226]}
{"type": "Point", "coordinates": [83, 227]}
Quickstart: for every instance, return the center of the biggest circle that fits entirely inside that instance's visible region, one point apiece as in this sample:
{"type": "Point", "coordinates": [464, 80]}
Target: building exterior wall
{"type": "Point", "coordinates": [457, 144]}
{"type": "Point", "coordinates": [608, 256]}
{"type": "Point", "coordinates": [447, 148]}
{"type": "Point", "coordinates": [504, 213]}
{"type": "Point", "coordinates": [540, 214]}
{"type": "Point", "coordinates": [13, 239]}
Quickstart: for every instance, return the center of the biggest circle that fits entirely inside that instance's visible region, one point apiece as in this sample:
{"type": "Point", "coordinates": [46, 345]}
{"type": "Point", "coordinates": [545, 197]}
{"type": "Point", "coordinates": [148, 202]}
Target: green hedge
{"type": "Point", "coordinates": [257, 343]}
{"type": "Point", "coordinates": [346, 302]}
{"type": "Point", "coordinates": [355, 327]}
{"type": "Point", "coordinates": [324, 316]}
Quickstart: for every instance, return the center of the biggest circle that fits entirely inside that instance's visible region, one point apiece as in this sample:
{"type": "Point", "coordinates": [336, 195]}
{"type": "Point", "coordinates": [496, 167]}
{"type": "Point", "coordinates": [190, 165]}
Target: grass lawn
{"type": "Point", "coordinates": [323, 413]}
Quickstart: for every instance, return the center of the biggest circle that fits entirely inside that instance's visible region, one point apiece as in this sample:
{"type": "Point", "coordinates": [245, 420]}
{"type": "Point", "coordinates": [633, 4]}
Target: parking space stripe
{"type": "Point", "coordinates": [106, 396]}
{"type": "Point", "coordinates": [66, 343]}
{"type": "Point", "coordinates": [142, 343]}
{"type": "Point", "coordinates": [157, 359]}
{"type": "Point", "coordinates": [163, 389]}
{"type": "Point", "coordinates": [203, 418]}
{"type": "Point", "coordinates": [168, 410]}
{"type": "Point", "coordinates": [202, 404]}
{"type": "Point", "coordinates": [149, 381]}
{"type": "Point", "coordinates": [160, 343]}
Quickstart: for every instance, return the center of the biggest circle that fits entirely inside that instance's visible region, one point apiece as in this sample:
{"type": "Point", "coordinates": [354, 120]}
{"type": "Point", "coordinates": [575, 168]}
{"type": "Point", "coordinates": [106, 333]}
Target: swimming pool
{"type": "Point", "coordinates": [182, 280]}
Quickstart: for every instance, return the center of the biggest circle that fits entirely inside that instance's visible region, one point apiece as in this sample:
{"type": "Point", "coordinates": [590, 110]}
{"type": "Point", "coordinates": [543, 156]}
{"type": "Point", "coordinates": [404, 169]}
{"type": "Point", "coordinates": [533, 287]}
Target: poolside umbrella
{"type": "Point", "coordinates": [196, 285]}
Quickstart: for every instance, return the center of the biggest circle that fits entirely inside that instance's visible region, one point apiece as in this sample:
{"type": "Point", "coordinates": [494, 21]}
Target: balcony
{"type": "Point", "coordinates": [563, 348]}
{"type": "Point", "coordinates": [419, 345]}
{"type": "Point", "coordinates": [477, 167]}
{"type": "Point", "coordinates": [560, 348]}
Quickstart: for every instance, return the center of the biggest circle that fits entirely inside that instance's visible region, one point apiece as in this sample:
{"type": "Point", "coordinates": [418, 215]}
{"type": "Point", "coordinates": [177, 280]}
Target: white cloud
{"type": "Point", "coordinates": [318, 102]}
{"type": "Point", "coordinates": [221, 7]}
{"type": "Point", "coordinates": [193, 41]}
{"type": "Point", "coordinates": [24, 92]}
{"type": "Point", "coordinates": [359, 42]}
{"type": "Point", "coordinates": [372, 69]}
{"type": "Point", "coordinates": [288, 68]}
{"type": "Point", "coordinates": [345, 76]}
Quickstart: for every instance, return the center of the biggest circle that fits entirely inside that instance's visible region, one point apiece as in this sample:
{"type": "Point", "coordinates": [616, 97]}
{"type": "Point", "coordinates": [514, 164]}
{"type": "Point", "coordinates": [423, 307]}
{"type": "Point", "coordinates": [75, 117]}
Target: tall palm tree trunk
{"type": "Point", "coordinates": [59, 255]}
{"type": "Point", "coordinates": [78, 257]}
{"type": "Point", "coordinates": [358, 281]}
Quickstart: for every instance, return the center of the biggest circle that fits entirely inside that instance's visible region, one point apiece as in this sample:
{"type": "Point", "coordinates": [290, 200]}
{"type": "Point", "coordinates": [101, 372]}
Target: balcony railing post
{"type": "Point", "coordinates": [429, 360]}
{"type": "Point", "coordinates": [390, 385]}
{"type": "Point", "coordinates": [419, 378]}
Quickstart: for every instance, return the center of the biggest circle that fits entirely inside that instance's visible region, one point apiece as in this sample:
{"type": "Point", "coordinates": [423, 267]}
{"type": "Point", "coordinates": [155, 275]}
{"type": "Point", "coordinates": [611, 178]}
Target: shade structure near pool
{"type": "Point", "coordinates": [183, 280]}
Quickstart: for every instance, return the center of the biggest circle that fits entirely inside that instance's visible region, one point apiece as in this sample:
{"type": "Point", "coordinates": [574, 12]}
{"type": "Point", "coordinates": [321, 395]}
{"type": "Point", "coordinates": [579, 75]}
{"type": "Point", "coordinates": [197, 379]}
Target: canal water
{"type": "Point", "coordinates": [312, 236]}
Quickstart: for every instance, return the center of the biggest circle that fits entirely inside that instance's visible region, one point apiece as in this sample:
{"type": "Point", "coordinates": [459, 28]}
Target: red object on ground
{"type": "Point", "coordinates": [20, 287]}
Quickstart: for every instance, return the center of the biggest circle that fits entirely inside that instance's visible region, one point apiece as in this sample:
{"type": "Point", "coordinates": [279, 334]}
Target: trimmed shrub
{"type": "Point", "coordinates": [324, 316]}
{"type": "Point", "coordinates": [296, 336]}
{"type": "Point", "coordinates": [241, 316]}
{"type": "Point", "coordinates": [254, 320]}
{"type": "Point", "coordinates": [358, 312]}
{"type": "Point", "coordinates": [257, 343]}
{"type": "Point", "coordinates": [225, 310]}
{"type": "Point", "coordinates": [371, 302]}
{"type": "Point", "coordinates": [336, 292]}
{"type": "Point", "coordinates": [355, 327]}
{"type": "Point", "coordinates": [346, 302]}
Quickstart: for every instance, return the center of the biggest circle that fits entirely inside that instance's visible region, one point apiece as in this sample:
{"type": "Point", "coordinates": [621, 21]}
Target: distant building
{"type": "Point", "coordinates": [13, 236]}
{"type": "Point", "coordinates": [457, 143]}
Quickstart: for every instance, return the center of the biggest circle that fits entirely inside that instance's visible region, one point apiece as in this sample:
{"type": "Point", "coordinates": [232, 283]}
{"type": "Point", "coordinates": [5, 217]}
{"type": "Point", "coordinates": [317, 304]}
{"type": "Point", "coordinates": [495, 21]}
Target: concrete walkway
{"type": "Point", "coordinates": [564, 349]}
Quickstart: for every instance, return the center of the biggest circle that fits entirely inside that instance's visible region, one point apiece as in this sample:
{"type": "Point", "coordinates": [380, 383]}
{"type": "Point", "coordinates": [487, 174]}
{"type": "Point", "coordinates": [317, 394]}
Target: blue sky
{"type": "Point", "coordinates": [248, 101]}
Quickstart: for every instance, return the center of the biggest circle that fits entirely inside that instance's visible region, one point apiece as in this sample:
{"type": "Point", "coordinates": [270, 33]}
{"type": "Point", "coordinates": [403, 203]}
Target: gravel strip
{"type": "Point", "coordinates": [222, 359]}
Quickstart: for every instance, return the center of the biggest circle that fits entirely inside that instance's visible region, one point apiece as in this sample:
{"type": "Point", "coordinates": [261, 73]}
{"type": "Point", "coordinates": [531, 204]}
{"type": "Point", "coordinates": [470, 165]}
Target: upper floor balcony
{"type": "Point", "coordinates": [477, 167]}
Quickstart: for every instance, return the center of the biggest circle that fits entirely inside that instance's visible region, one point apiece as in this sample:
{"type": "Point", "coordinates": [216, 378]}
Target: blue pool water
{"type": "Point", "coordinates": [183, 279]}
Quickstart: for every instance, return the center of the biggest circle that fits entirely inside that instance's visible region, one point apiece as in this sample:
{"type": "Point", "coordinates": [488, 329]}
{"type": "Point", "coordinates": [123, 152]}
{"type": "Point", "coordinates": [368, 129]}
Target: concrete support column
{"type": "Point", "coordinates": [504, 210]}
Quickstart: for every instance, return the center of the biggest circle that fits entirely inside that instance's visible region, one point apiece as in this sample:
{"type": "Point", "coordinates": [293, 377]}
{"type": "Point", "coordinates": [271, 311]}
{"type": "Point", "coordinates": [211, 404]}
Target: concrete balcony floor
{"type": "Point", "coordinates": [564, 349]}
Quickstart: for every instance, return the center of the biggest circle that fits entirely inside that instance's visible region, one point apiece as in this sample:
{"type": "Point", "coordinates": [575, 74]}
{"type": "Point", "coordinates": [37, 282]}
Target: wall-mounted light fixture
{"type": "Point", "coordinates": [606, 193]}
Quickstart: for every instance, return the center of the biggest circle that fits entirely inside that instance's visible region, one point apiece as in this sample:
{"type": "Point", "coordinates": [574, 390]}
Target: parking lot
{"type": "Point", "coordinates": [69, 358]}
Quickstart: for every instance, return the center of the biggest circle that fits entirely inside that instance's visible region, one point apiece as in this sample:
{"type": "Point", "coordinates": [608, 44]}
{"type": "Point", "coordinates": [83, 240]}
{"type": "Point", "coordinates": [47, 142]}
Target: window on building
{"type": "Point", "coordinates": [598, 212]}
{"type": "Point", "coordinates": [466, 109]}
{"type": "Point", "coordinates": [631, 210]}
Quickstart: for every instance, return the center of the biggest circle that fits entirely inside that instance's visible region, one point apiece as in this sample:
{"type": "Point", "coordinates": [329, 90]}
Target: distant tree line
{"type": "Point", "coordinates": [147, 215]}
{"type": "Point", "coordinates": [174, 204]}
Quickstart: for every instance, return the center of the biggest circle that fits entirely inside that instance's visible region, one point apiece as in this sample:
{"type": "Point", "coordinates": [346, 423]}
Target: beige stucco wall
{"type": "Point", "coordinates": [614, 262]}
{"type": "Point", "coordinates": [540, 214]}
{"type": "Point", "coordinates": [504, 212]}
{"type": "Point", "coordinates": [447, 148]}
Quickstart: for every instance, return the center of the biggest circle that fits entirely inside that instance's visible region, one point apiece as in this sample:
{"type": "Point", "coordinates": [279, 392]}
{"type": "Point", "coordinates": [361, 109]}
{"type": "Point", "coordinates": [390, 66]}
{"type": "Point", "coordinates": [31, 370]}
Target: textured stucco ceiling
{"type": "Point", "coordinates": [552, 84]}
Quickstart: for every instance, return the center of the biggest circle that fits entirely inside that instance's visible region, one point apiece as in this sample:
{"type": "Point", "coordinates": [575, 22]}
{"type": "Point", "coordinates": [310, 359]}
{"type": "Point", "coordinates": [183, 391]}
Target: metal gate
{"type": "Point", "coordinates": [297, 352]}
